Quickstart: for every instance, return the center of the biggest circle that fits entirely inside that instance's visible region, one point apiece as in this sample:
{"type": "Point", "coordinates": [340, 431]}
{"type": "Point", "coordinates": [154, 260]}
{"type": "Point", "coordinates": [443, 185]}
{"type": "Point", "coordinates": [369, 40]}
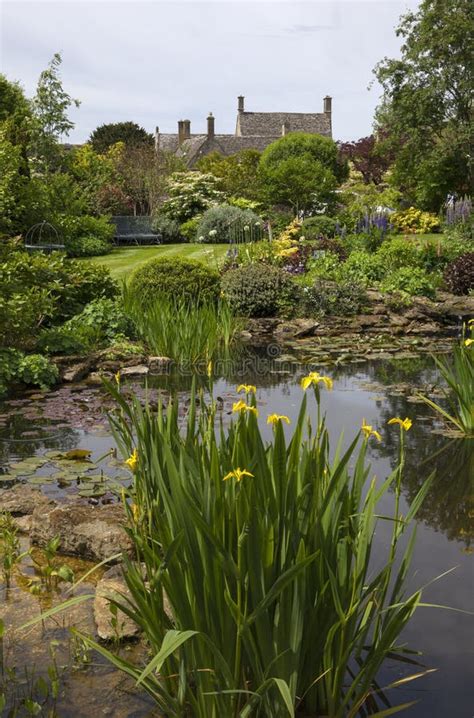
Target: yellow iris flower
{"type": "Point", "coordinates": [315, 378]}
{"type": "Point", "coordinates": [132, 461]}
{"type": "Point", "coordinates": [242, 406]}
{"type": "Point", "coordinates": [237, 474]}
{"type": "Point", "coordinates": [468, 342]}
{"type": "Point", "coordinates": [117, 378]}
{"type": "Point", "coordinates": [248, 388]}
{"type": "Point", "coordinates": [369, 431]}
{"type": "Point", "coordinates": [275, 418]}
{"type": "Point", "coordinates": [404, 423]}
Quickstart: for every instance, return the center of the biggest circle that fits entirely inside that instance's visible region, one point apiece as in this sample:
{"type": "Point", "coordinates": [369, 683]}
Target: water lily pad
{"type": "Point", "coordinates": [40, 480]}
{"type": "Point", "coordinates": [94, 492]}
{"type": "Point", "coordinates": [8, 477]}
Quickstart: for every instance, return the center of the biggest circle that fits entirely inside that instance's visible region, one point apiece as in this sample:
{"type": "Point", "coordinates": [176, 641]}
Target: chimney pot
{"type": "Point", "coordinates": [240, 100]}
{"type": "Point", "coordinates": [327, 102]}
{"type": "Point", "coordinates": [210, 126]}
{"type": "Point", "coordinates": [187, 129]}
{"type": "Point", "coordinates": [180, 132]}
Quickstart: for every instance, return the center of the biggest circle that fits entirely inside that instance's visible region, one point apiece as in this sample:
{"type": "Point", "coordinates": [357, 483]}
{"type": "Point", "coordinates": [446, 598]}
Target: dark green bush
{"type": "Point", "coordinates": [325, 244]}
{"type": "Point", "coordinates": [259, 290]}
{"type": "Point", "coordinates": [362, 267]}
{"type": "Point", "coordinates": [9, 361]}
{"type": "Point", "coordinates": [65, 340]}
{"type": "Point", "coordinates": [225, 224]}
{"type": "Point", "coordinates": [168, 229]}
{"type": "Point", "coordinates": [331, 298]}
{"type": "Point", "coordinates": [85, 236]}
{"type": "Point", "coordinates": [459, 275]}
{"type": "Point", "coordinates": [38, 290]}
{"type": "Point", "coordinates": [314, 227]}
{"type": "Point", "coordinates": [178, 278]}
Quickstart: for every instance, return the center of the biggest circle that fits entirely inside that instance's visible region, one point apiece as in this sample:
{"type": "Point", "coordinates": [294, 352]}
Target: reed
{"type": "Point", "coordinates": [187, 333]}
{"type": "Point", "coordinates": [252, 578]}
{"type": "Point", "coordinates": [459, 376]}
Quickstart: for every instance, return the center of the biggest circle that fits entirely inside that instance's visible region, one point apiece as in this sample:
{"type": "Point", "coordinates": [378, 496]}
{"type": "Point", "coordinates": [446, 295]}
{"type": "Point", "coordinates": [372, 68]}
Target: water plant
{"type": "Point", "coordinates": [10, 554]}
{"type": "Point", "coordinates": [252, 577]}
{"type": "Point", "coordinates": [459, 376]}
{"type": "Point", "coordinates": [187, 333]}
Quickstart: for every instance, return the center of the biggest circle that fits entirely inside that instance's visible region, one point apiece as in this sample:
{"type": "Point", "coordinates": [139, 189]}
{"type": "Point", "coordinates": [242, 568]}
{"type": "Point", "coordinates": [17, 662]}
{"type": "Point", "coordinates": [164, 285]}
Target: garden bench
{"type": "Point", "coordinates": [134, 230]}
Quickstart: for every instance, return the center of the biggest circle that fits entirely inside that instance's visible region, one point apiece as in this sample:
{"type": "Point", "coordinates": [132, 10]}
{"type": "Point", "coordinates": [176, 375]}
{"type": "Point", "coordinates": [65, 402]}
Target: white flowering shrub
{"type": "Point", "coordinates": [191, 193]}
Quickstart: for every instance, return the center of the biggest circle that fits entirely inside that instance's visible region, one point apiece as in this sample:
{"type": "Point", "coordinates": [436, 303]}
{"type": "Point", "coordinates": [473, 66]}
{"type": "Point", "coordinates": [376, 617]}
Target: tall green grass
{"type": "Point", "coordinates": [185, 332]}
{"type": "Point", "coordinates": [459, 376]}
{"type": "Point", "coordinates": [275, 605]}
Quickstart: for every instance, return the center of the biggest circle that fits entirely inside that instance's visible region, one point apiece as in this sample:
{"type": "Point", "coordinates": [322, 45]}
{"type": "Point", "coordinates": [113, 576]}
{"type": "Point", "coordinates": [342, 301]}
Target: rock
{"type": "Point", "coordinates": [91, 532]}
{"type": "Point", "coordinates": [159, 365]}
{"type": "Point", "coordinates": [137, 370]}
{"type": "Point", "coordinates": [457, 307]}
{"type": "Point", "coordinates": [95, 378]}
{"type": "Point", "coordinates": [78, 371]}
{"type": "Point", "coordinates": [112, 588]}
{"type": "Point", "coordinates": [425, 329]}
{"type": "Point", "coordinates": [369, 320]}
{"type": "Point", "coordinates": [398, 320]}
{"type": "Point", "coordinates": [305, 328]}
{"type": "Point", "coordinates": [21, 500]}
{"type": "Point", "coordinates": [23, 524]}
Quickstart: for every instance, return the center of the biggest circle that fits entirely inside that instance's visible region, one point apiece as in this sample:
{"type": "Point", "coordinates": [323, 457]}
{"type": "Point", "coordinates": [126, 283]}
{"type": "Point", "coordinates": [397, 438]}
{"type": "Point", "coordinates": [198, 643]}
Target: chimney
{"type": "Point", "coordinates": [181, 136]}
{"type": "Point", "coordinates": [327, 105]}
{"type": "Point", "coordinates": [210, 126]}
{"type": "Point", "coordinates": [241, 99]}
{"type": "Point", "coordinates": [285, 128]}
{"type": "Point", "coordinates": [187, 129]}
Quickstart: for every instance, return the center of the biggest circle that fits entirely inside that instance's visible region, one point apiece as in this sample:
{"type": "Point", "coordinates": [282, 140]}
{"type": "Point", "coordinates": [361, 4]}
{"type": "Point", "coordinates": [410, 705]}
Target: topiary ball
{"type": "Point", "coordinates": [459, 274]}
{"type": "Point", "coordinates": [258, 290]}
{"type": "Point", "coordinates": [177, 278]}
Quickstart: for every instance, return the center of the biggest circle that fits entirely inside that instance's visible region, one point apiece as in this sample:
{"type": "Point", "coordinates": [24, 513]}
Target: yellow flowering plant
{"type": "Point", "coordinates": [263, 551]}
{"type": "Point", "coordinates": [368, 431]}
{"type": "Point", "coordinates": [276, 418]}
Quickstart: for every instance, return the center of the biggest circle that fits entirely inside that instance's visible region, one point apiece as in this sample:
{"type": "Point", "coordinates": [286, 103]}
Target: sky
{"type": "Point", "coordinates": [155, 62]}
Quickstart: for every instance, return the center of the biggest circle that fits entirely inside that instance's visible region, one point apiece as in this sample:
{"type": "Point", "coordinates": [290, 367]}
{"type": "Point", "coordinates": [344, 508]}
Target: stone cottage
{"type": "Point", "coordinates": [253, 130]}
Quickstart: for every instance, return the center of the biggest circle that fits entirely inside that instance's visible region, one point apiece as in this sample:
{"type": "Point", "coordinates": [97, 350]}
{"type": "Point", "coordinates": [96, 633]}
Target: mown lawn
{"type": "Point", "coordinates": [122, 262]}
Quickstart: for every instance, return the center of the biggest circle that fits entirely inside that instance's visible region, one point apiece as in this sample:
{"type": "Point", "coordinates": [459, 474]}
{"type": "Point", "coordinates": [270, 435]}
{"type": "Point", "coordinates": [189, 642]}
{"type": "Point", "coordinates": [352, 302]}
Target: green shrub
{"type": "Point", "coordinates": [225, 224]}
{"type": "Point", "coordinates": [459, 275]}
{"type": "Point", "coordinates": [325, 266]}
{"type": "Point", "coordinates": [85, 235]}
{"type": "Point", "coordinates": [189, 228]}
{"type": "Point", "coordinates": [177, 278]}
{"type": "Point", "coordinates": [399, 252]}
{"type": "Point", "coordinates": [191, 193]}
{"type": "Point", "coordinates": [105, 317]}
{"type": "Point", "coordinates": [65, 340]}
{"type": "Point", "coordinates": [22, 313]}
{"type": "Point", "coordinates": [9, 361]}
{"type": "Point", "coordinates": [122, 348]}
{"type": "Point", "coordinates": [335, 246]}
{"type": "Point", "coordinates": [332, 298]}
{"type": "Point", "coordinates": [64, 286]}
{"type": "Point", "coordinates": [258, 290]}
{"type": "Point", "coordinates": [168, 229]}
{"type": "Point", "coordinates": [314, 227]}
{"type": "Point", "coordinates": [362, 267]}
{"type": "Point", "coordinates": [412, 280]}
{"type": "Point", "coordinates": [37, 370]}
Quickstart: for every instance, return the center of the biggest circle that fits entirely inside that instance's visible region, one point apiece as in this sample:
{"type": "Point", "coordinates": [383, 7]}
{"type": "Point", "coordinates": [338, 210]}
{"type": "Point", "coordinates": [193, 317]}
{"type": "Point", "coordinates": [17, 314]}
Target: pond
{"type": "Point", "coordinates": [40, 425]}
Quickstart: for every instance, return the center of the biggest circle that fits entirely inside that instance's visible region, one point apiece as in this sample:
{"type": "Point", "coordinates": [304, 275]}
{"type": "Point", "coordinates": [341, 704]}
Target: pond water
{"type": "Point", "coordinates": [376, 391]}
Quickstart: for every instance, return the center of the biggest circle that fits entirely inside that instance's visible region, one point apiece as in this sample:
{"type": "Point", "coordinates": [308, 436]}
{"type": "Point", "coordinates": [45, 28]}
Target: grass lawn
{"type": "Point", "coordinates": [125, 260]}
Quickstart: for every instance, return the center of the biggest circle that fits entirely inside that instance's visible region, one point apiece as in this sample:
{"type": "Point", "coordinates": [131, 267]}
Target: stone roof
{"type": "Point", "coordinates": [199, 145]}
{"type": "Point", "coordinates": [269, 124]}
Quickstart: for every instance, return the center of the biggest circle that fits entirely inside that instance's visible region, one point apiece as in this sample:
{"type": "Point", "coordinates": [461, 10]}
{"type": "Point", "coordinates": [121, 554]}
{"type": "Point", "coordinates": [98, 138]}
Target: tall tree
{"type": "Point", "coordinates": [368, 157]}
{"type": "Point", "coordinates": [302, 171]}
{"type": "Point", "coordinates": [51, 123]}
{"type": "Point", "coordinates": [131, 134]}
{"type": "Point", "coordinates": [427, 102]}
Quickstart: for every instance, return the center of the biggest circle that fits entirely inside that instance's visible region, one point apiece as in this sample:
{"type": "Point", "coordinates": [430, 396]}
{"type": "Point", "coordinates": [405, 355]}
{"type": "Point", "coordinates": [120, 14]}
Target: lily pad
{"type": "Point", "coordinates": [8, 477]}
